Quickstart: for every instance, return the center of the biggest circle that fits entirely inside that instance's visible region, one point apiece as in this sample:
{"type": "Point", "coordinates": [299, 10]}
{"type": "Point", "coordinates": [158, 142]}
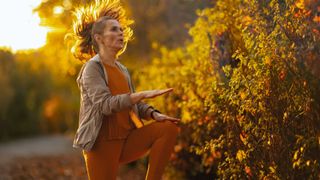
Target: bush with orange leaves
{"type": "Point", "coordinates": [246, 88]}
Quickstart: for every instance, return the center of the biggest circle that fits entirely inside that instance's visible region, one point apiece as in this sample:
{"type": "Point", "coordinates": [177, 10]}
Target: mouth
{"type": "Point", "coordinates": [121, 40]}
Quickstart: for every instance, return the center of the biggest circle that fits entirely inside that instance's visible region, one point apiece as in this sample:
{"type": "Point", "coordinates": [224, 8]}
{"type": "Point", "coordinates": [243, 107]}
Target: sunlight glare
{"type": "Point", "coordinates": [58, 10]}
{"type": "Point", "coordinates": [20, 26]}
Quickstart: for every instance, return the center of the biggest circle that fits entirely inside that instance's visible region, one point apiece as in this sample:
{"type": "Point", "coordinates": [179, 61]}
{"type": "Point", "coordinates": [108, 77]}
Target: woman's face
{"type": "Point", "coordinates": [112, 37]}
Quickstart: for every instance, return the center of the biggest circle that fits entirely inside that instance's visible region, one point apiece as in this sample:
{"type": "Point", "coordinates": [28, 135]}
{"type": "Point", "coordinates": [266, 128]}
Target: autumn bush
{"type": "Point", "coordinates": [246, 87]}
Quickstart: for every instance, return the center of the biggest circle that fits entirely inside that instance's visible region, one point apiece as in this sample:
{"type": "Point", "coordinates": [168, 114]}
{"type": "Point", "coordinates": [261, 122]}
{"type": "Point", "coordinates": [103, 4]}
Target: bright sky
{"type": "Point", "coordinates": [19, 27]}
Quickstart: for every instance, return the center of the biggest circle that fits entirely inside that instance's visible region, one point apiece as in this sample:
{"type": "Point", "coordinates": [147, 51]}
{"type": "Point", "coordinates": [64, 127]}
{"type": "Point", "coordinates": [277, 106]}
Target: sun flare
{"type": "Point", "coordinates": [20, 27]}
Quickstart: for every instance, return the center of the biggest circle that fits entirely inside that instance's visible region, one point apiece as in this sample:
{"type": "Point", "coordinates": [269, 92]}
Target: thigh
{"type": "Point", "coordinates": [102, 162]}
{"type": "Point", "coordinates": [140, 141]}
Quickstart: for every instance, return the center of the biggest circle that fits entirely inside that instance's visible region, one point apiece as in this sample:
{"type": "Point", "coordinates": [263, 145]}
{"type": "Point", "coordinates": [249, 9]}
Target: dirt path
{"type": "Point", "coordinates": [37, 146]}
{"type": "Point", "coordinates": [49, 157]}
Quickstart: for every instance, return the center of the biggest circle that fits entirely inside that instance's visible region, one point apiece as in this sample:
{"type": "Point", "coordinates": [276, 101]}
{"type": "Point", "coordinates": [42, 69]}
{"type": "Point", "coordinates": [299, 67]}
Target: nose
{"type": "Point", "coordinates": [120, 32]}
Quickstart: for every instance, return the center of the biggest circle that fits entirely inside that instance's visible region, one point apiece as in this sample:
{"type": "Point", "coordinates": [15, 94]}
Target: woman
{"type": "Point", "coordinates": [110, 131]}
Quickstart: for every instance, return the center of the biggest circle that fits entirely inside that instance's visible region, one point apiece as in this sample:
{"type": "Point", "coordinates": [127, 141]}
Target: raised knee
{"type": "Point", "coordinates": [171, 127]}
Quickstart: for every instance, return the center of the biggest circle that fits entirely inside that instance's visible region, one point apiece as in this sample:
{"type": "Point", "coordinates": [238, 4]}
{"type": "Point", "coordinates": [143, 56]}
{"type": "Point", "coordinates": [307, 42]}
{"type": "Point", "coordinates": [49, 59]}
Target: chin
{"type": "Point", "coordinates": [119, 48]}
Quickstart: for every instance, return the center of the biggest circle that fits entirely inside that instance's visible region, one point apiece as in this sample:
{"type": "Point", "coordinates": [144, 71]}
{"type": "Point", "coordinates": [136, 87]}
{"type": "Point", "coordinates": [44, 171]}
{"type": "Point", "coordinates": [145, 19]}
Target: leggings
{"type": "Point", "coordinates": [157, 139]}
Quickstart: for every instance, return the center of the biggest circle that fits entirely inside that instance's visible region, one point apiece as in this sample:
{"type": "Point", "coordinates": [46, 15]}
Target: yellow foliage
{"type": "Point", "coordinates": [300, 4]}
{"type": "Point", "coordinates": [241, 155]}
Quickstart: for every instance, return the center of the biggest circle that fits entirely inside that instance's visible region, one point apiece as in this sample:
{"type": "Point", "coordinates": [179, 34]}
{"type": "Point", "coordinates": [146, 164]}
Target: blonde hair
{"type": "Point", "coordinates": [90, 20]}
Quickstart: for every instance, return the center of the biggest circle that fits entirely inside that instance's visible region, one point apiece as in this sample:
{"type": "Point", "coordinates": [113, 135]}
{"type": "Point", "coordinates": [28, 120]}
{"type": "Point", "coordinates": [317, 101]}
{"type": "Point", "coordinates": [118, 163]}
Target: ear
{"type": "Point", "coordinates": [97, 38]}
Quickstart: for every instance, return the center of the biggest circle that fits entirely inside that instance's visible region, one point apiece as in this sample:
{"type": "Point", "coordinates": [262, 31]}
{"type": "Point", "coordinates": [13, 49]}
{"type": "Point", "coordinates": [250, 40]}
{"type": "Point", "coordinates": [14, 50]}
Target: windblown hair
{"type": "Point", "coordinates": [90, 20]}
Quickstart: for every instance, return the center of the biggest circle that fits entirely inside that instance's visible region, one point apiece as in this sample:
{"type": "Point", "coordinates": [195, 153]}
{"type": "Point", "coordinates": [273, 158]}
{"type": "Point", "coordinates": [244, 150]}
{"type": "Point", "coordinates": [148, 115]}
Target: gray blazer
{"type": "Point", "coordinates": [97, 101]}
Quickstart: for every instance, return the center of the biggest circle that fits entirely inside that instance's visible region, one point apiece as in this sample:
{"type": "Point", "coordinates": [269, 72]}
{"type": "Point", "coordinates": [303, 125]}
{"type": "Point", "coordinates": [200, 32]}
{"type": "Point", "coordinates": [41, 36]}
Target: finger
{"type": "Point", "coordinates": [167, 90]}
{"type": "Point", "coordinates": [172, 118]}
{"type": "Point", "coordinates": [176, 122]}
{"type": "Point", "coordinates": [155, 93]}
{"type": "Point", "coordinates": [160, 92]}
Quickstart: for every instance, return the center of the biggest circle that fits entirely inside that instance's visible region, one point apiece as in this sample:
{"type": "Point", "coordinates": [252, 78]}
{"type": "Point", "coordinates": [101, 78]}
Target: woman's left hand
{"type": "Point", "coordinates": [161, 117]}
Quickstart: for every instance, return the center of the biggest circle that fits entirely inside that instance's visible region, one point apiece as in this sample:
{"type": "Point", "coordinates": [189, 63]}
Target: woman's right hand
{"type": "Point", "coordinates": [138, 96]}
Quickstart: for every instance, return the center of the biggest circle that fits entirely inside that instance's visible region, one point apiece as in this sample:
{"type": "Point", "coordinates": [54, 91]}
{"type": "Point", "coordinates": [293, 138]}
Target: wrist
{"type": "Point", "coordinates": [136, 97]}
{"type": "Point", "coordinates": [152, 113]}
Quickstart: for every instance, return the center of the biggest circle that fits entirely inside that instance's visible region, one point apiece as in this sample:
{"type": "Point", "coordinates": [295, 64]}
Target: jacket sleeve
{"type": "Point", "coordinates": [99, 93]}
{"type": "Point", "coordinates": [145, 110]}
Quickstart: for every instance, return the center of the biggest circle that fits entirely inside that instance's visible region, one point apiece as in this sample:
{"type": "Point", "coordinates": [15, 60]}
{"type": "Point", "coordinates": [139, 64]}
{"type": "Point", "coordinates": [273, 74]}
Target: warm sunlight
{"type": "Point", "coordinates": [19, 26]}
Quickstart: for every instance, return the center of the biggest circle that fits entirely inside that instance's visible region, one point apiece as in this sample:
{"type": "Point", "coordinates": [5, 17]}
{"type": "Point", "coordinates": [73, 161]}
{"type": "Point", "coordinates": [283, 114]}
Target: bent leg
{"type": "Point", "coordinates": [102, 162]}
{"type": "Point", "coordinates": [159, 138]}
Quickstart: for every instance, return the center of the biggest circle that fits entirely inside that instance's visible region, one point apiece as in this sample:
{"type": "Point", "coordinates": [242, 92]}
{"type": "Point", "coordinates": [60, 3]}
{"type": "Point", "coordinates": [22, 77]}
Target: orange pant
{"type": "Point", "coordinates": [103, 161]}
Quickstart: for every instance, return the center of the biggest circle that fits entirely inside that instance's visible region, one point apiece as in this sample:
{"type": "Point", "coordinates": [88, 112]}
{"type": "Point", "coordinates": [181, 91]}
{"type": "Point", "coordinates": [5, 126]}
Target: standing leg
{"type": "Point", "coordinates": [159, 138]}
{"type": "Point", "coordinates": [102, 162]}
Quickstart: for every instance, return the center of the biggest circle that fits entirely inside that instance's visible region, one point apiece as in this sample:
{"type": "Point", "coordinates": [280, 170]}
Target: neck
{"type": "Point", "coordinates": [108, 57]}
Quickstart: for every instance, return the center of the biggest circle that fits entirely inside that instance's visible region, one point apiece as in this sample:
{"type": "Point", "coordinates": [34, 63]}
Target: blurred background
{"type": "Point", "coordinates": [39, 94]}
{"type": "Point", "coordinates": [246, 78]}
